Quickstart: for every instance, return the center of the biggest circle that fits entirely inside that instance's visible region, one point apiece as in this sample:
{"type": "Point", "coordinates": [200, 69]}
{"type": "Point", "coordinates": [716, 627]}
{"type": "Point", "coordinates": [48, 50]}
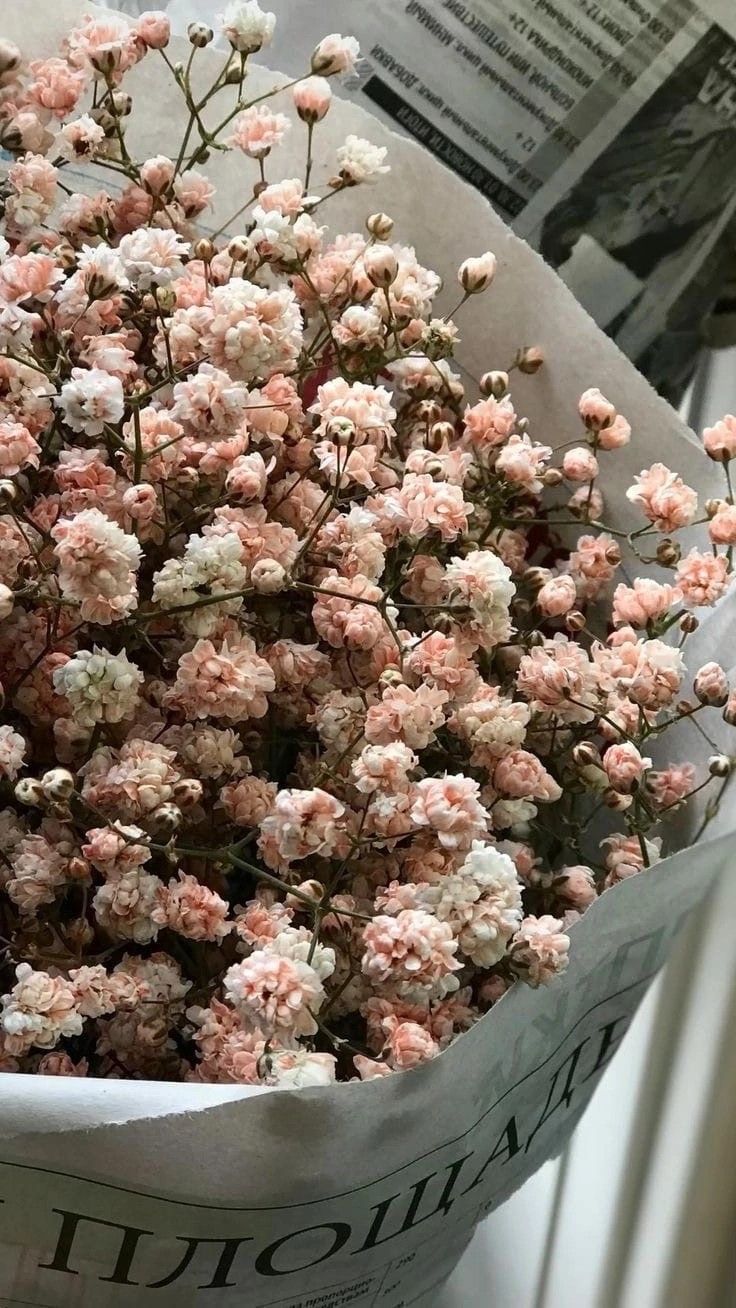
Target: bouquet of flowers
{"type": "Point", "coordinates": [333, 694]}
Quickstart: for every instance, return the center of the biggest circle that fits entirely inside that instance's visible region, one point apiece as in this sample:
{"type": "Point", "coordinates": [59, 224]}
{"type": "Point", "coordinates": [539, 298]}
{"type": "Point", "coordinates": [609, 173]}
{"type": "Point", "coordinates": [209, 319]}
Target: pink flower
{"type": "Point", "coordinates": [18, 449]}
{"type": "Point", "coordinates": [126, 906]}
{"type": "Point", "coordinates": [33, 183]}
{"type": "Point", "coordinates": [56, 85]}
{"type": "Point", "coordinates": [261, 922]}
{"type": "Point", "coordinates": [521, 461]}
{"type": "Point", "coordinates": [443, 662]}
{"type": "Point", "coordinates": [645, 602]}
{"type": "Point", "coordinates": [252, 331]}
{"type": "Point", "coordinates": [154, 29]}
{"type": "Point", "coordinates": [489, 423]}
{"type": "Point", "coordinates": [194, 193]}
{"type": "Point", "coordinates": [521, 775]}
{"type": "Point", "coordinates": [410, 953]}
{"type": "Point", "coordinates": [657, 675]}
{"type": "Point", "coordinates": [615, 435]}
{"type": "Point", "coordinates": [153, 255]}
{"type": "Point", "coordinates": [335, 54]}
{"type": "Point", "coordinates": [192, 910]}
{"type": "Point", "coordinates": [722, 526]}
{"type": "Point", "coordinates": [702, 578]}
{"type": "Point", "coordinates": [97, 565]}
{"type": "Point", "coordinates": [408, 1044]}
{"type": "Point", "coordinates": [60, 1064]}
{"type": "Point", "coordinates": [710, 685]}
{"type": "Point", "coordinates": [32, 276]}
{"type": "Point", "coordinates": [257, 130]}
{"type": "Point", "coordinates": [248, 801]}
{"type": "Point", "coordinates": [312, 98]}
{"type": "Point", "coordinates": [557, 596]}
{"type": "Point", "coordinates": [595, 410]}
{"type": "Point", "coordinates": [664, 498]}
{"type": "Point", "coordinates": [116, 850]}
{"type": "Point", "coordinates": [580, 464]}
{"type": "Point", "coordinates": [720, 440]}
{"type": "Point", "coordinates": [575, 886]}
{"type": "Point", "coordinates": [559, 677]}
{"type": "Point", "coordinates": [624, 766]}
{"type": "Point", "coordinates": [38, 1011]}
{"type": "Point", "coordinates": [670, 786]}
{"type": "Point", "coordinates": [229, 682]}
{"type": "Point", "coordinates": [411, 716]}
{"type": "Point", "coordinates": [103, 44]}
{"type": "Point", "coordinates": [539, 951]}
{"type": "Point", "coordinates": [132, 782]}
{"type": "Point", "coordinates": [277, 995]}
{"type": "Point", "coordinates": [450, 806]}
{"type": "Point", "coordinates": [341, 618]}
{"type": "Point", "coordinates": [593, 563]}
{"type": "Point", "coordinates": [301, 824]}
{"type": "Point", "coordinates": [364, 413]}
{"type": "Point", "coordinates": [624, 857]}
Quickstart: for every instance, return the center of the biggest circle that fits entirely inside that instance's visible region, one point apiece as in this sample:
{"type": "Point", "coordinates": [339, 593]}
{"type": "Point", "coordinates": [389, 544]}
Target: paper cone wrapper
{"type": "Point", "coordinates": [117, 1194]}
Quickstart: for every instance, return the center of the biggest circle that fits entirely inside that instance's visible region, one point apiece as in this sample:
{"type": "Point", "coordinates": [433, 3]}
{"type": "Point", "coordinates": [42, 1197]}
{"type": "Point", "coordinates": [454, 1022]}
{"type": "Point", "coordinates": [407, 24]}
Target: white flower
{"type": "Point", "coordinates": [481, 902]}
{"type": "Point", "coordinates": [296, 943]}
{"type": "Point", "coordinates": [211, 565]}
{"type": "Point", "coordinates": [90, 400]}
{"type": "Point", "coordinates": [360, 161]}
{"type": "Point", "coordinates": [297, 1069]}
{"type": "Point", "coordinates": [484, 582]}
{"type": "Point", "coordinates": [247, 26]}
{"type": "Point", "coordinates": [100, 687]}
{"type": "Point", "coordinates": [152, 255]}
{"type": "Point", "coordinates": [102, 268]}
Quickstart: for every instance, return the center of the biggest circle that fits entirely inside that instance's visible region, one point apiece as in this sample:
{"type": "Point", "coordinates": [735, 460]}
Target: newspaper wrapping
{"type": "Point", "coordinates": [117, 1194]}
{"type": "Point", "coordinates": [604, 133]}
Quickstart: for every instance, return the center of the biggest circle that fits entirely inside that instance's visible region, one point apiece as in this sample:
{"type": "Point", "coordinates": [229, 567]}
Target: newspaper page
{"type": "Point", "coordinates": [603, 131]}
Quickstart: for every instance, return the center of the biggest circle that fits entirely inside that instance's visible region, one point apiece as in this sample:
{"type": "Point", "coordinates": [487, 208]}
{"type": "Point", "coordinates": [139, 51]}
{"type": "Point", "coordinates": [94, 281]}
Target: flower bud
{"type": "Point", "coordinates": [166, 298]}
{"type": "Point", "coordinates": [476, 274]}
{"type": "Point", "coordinates": [624, 766]}
{"type": "Point", "coordinates": [712, 507]}
{"type": "Point", "coordinates": [269, 577]}
{"type": "Point", "coordinates": [530, 359]}
{"type": "Point", "coordinates": [719, 765]}
{"type": "Point", "coordinates": [78, 933]}
{"type": "Point", "coordinates": [166, 818]}
{"type": "Point", "coordinates": [122, 103]}
{"type": "Point", "coordinates": [552, 477]}
{"type": "Point", "coordinates": [380, 226]}
{"type": "Point", "coordinates": [575, 620]}
{"type": "Point", "coordinates": [10, 57]}
{"type": "Point", "coordinates": [238, 249]}
{"type": "Point", "coordinates": [585, 755]}
{"type": "Point", "coordinates": [200, 34]}
{"type": "Point", "coordinates": [613, 554]}
{"type": "Point", "coordinates": [8, 490]}
{"type": "Point", "coordinates": [616, 801]}
{"type": "Point", "coordinates": [495, 384]}
{"type": "Point", "coordinates": [668, 553]}
{"type": "Point", "coordinates": [689, 624]}
{"type": "Point", "coordinates": [439, 434]}
{"type": "Point", "coordinates": [335, 54]}
{"type": "Point", "coordinates": [381, 265]}
{"type": "Point", "coordinates": [105, 59]}
{"type": "Point", "coordinates": [7, 601]}
{"type": "Point", "coordinates": [312, 99]}
{"type": "Point", "coordinates": [187, 792]}
{"type": "Point", "coordinates": [729, 712]}
{"type": "Point", "coordinates": [29, 791]}
{"type": "Point", "coordinates": [595, 410]}
{"type": "Point", "coordinates": [204, 249]}
{"type": "Point", "coordinates": [711, 685]}
{"type": "Point", "coordinates": [341, 431]}
{"type": "Point", "coordinates": [313, 890]}
{"type": "Point", "coordinates": [57, 785]}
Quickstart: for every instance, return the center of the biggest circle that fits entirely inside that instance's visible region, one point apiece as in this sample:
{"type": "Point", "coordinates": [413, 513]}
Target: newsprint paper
{"type": "Point", "coordinates": [603, 131]}
{"type": "Point", "coordinates": [127, 1194]}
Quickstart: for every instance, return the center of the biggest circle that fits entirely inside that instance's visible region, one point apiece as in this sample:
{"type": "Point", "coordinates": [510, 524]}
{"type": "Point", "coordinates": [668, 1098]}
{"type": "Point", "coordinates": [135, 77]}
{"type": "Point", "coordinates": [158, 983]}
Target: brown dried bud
{"type": "Point", "coordinates": [429, 411]}
{"type": "Point", "coordinates": [530, 359]}
{"type": "Point", "coordinates": [552, 477]}
{"type": "Point", "coordinates": [166, 298]}
{"type": "Point", "coordinates": [575, 620]}
{"type": "Point", "coordinates": [689, 624]}
{"type": "Point", "coordinates": [720, 765]}
{"type": "Point", "coordinates": [380, 226]}
{"type": "Point", "coordinates": [381, 265]}
{"type": "Point", "coordinates": [313, 890]}
{"type": "Point", "coordinates": [495, 384]}
{"type": "Point", "coordinates": [8, 490]}
{"type": "Point", "coordinates": [200, 34]}
{"type": "Point", "coordinates": [187, 792]}
{"type": "Point", "coordinates": [78, 869]}
{"type": "Point", "coordinates": [204, 249]}
{"type": "Point", "coordinates": [585, 755]}
{"type": "Point", "coordinates": [712, 507]}
{"type": "Point", "coordinates": [536, 577]}
{"type": "Point", "coordinates": [122, 103]}
{"type": "Point", "coordinates": [439, 434]}
{"type": "Point", "coordinates": [613, 554]}
{"type": "Point", "coordinates": [10, 57]}
{"type": "Point", "coordinates": [668, 553]}
{"type": "Point", "coordinates": [167, 818]}
{"type": "Point", "coordinates": [78, 933]}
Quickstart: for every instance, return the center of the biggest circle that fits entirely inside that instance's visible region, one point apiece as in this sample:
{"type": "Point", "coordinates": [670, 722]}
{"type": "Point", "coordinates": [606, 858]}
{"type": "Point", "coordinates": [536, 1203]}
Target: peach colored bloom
{"type": "Point", "coordinates": [277, 995]}
{"type": "Point", "coordinates": [450, 806]}
{"type": "Point", "coordinates": [557, 596]}
{"type": "Point", "coordinates": [335, 54]}
{"type": "Point", "coordinates": [410, 954]}
{"type": "Point", "coordinates": [153, 29]}
{"type": "Point", "coordinates": [408, 1044]}
{"type": "Point", "coordinates": [383, 767]}
{"type": "Point", "coordinates": [595, 410]}
{"type": "Point", "coordinates": [722, 526]}
{"type": "Point", "coordinates": [559, 677]}
{"type": "Point", "coordinates": [521, 775]}
{"type": "Point", "coordinates": [405, 714]}
{"type": "Point", "coordinates": [540, 950]}
{"type": "Point", "coordinates": [12, 752]}
{"type": "Point", "coordinates": [580, 464]}
{"type": "Point", "coordinates": [192, 910]}
{"type": "Point", "coordinates": [339, 616]}
{"type": "Point", "coordinates": [125, 907]}
{"type": "Point", "coordinates": [720, 440]}
{"type": "Point", "coordinates": [33, 276]}
{"type": "Point", "coordinates": [624, 766]}
{"type": "Point", "coordinates": [312, 98]}
{"type": "Point", "coordinates": [301, 824]}
{"type": "Point", "coordinates": [521, 461]}
{"type": "Point", "coordinates": [230, 682]}
{"type": "Point", "coordinates": [645, 602]}
{"type": "Point", "coordinates": [260, 922]}
{"type": "Point", "coordinates": [489, 423]}
{"type": "Point", "coordinates": [38, 1011]}
{"type": "Point", "coordinates": [575, 886]}
{"type": "Point", "coordinates": [591, 563]}
{"type": "Point", "coordinates": [664, 498]}
{"type": "Point", "coordinates": [97, 565]}
{"type": "Point", "coordinates": [60, 1064]}
{"type": "Point", "coordinates": [248, 801]}
{"type": "Point", "coordinates": [671, 785]}
{"type": "Point", "coordinates": [624, 857]}
{"type": "Point", "coordinates": [702, 578]}
{"type": "Point", "coordinates": [55, 86]}
{"type": "Point", "coordinates": [615, 435]}
{"type": "Point", "coordinates": [18, 449]}
{"type": "Point", "coordinates": [710, 685]}
{"type": "Point", "coordinates": [442, 661]}
{"type": "Point", "coordinates": [257, 130]}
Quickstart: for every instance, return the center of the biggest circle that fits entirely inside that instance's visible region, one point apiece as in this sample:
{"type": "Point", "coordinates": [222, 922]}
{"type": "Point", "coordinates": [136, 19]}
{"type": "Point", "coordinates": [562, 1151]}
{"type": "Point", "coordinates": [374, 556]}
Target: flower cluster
{"type": "Point", "coordinates": [318, 673]}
